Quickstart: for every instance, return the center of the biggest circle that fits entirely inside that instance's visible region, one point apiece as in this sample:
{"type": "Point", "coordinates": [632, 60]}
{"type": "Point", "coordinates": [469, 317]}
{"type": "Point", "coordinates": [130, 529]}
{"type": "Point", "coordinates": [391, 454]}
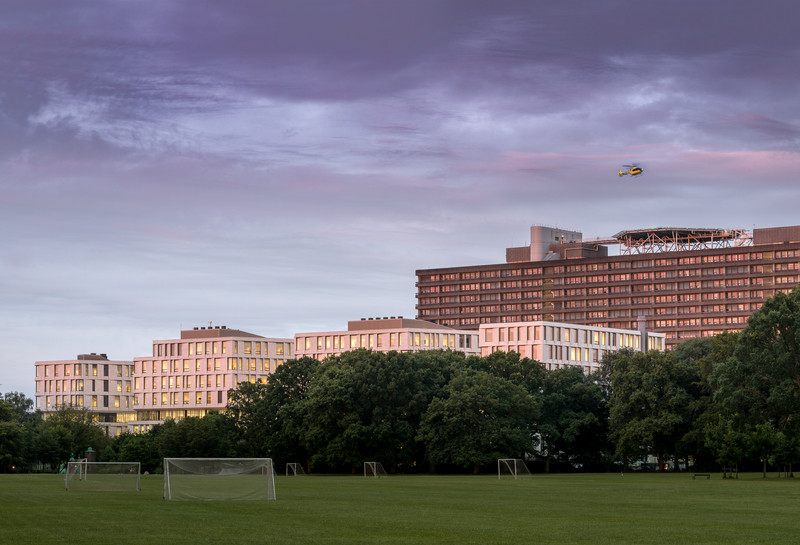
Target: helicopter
{"type": "Point", "coordinates": [634, 170]}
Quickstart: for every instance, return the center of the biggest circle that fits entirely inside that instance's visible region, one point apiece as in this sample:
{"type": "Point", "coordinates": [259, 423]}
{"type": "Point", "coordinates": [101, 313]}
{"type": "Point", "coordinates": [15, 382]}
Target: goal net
{"type": "Point", "coordinates": [374, 469]}
{"type": "Point", "coordinates": [102, 476]}
{"type": "Point", "coordinates": [219, 479]}
{"type": "Point", "coordinates": [294, 469]}
{"type": "Point", "coordinates": [512, 468]}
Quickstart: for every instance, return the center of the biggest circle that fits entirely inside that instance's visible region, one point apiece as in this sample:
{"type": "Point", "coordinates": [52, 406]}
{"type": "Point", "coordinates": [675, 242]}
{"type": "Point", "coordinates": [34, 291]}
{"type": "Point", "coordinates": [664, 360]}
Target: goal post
{"type": "Point", "coordinates": [219, 479]}
{"type": "Point", "coordinates": [512, 468]}
{"type": "Point", "coordinates": [294, 469]}
{"type": "Point", "coordinates": [76, 468]}
{"type": "Point", "coordinates": [103, 476]}
{"type": "Point", "coordinates": [374, 469]}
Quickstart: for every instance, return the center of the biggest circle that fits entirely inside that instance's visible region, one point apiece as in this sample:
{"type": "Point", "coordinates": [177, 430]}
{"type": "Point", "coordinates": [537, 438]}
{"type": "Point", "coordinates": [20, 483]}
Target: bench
{"type": "Point", "coordinates": [706, 475]}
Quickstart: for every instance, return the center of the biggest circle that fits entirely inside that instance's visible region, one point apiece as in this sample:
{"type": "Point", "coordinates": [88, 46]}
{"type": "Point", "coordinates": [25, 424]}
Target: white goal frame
{"type": "Point", "coordinates": [84, 470]}
{"type": "Point", "coordinates": [374, 469]}
{"type": "Point", "coordinates": [208, 475]}
{"type": "Point", "coordinates": [293, 469]}
{"type": "Point", "coordinates": [513, 468]}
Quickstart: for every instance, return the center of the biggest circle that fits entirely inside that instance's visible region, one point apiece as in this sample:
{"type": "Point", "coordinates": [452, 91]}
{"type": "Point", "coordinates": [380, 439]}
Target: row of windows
{"type": "Point", "coordinates": [180, 382]}
{"type": "Point", "coordinates": [635, 264]}
{"type": "Point", "coordinates": [217, 398]}
{"type": "Point", "coordinates": [206, 364]}
{"type": "Point", "coordinates": [198, 397]}
{"type": "Point", "coordinates": [583, 292]}
{"type": "Point", "coordinates": [512, 334]}
{"type": "Point", "coordinates": [474, 275]}
{"type": "Point", "coordinates": [713, 320]}
{"type": "Point", "coordinates": [200, 348]}
{"type": "Point", "coordinates": [379, 340]}
{"type": "Point", "coordinates": [83, 370]}
{"type": "Point", "coordinates": [601, 290]}
{"type": "Point", "coordinates": [58, 401]}
{"type": "Point", "coordinates": [77, 385]}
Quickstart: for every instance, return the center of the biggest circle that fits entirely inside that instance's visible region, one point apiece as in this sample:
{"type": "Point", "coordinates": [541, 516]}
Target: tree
{"type": "Point", "coordinates": [136, 447]}
{"type": "Point", "coordinates": [785, 452]}
{"type": "Point", "coordinates": [479, 417]}
{"type": "Point", "coordinates": [704, 355]}
{"type": "Point", "coordinates": [524, 372]}
{"type": "Point", "coordinates": [12, 446]}
{"type": "Point", "coordinates": [573, 426]}
{"type": "Point", "coordinates": [650, 404]}
{"type": "Point", "coordinates": [728, 442]}
{"type": "Point", "coordinates": [71, 431]}
{"type": "Point", "coordinates": [270, 416]}
{"type": "Point", "coordinates": [212, 436]}
{"type": "Point", "coordinates": [760, 383]}
{"type": "Point", "coordinates": [20, 407]}
{"type": "Point", "coordinates": [367, 405]}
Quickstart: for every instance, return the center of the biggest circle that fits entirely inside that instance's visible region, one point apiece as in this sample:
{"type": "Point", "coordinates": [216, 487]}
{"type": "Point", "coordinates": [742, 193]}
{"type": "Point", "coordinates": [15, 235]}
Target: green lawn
{"type": "Point", "coordinates": [547, 509]}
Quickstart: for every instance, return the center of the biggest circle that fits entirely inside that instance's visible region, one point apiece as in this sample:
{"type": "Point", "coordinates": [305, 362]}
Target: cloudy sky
{"type": "Point", "coordinates": [286, 166]}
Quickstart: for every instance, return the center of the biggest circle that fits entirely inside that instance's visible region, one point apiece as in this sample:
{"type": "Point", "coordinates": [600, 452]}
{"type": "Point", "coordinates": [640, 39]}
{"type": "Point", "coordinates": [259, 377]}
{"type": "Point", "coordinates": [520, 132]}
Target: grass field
{"type": "Point", "coordinates": [547, 509]}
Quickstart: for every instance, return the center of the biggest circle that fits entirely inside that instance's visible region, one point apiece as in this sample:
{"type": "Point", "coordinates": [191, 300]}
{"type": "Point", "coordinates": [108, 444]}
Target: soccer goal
{"type": "Point", "coordinates": [219, 479]}
{"type": "Point", "coordinates": [374, 469]}
{"type": "Point", "coordinates": [512, 468]}
{"type": "Point", "coordinates": [103, 476]}
{"type": "Point", "coordinates": [294, 469]}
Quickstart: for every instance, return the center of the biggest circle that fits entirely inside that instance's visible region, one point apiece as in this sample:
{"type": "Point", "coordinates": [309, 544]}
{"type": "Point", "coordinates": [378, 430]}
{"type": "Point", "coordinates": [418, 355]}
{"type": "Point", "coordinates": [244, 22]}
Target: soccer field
{"type": "Point", "coordinates": [546, 509]}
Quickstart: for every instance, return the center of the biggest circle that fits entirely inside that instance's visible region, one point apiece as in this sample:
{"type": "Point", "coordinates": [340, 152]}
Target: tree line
{"type": "Point", "coordinates": [729, 402]}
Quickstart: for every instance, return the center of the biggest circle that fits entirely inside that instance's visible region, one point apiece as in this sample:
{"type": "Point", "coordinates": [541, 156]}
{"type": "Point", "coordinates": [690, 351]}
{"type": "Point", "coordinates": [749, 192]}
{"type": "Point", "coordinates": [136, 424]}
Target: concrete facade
{"type": "Point", "coordinates": [385, 335]}
{"type": "Point", "coordinates": [686, 282]}
{"type": "Point", "coordinates": [191, 376]}
{"type": "Point", "coordinates": [91, 381]}
{"type": "Point", "coordinates": [558, 345]}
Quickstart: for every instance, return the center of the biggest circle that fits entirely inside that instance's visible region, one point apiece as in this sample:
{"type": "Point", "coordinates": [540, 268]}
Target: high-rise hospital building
{"type": "Point", "coordinates": [685, 282]}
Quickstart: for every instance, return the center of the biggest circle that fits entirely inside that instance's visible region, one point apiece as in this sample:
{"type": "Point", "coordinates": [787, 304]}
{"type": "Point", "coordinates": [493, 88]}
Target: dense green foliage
{"type": "Point", "coordinates": [727, 401]}
{"type": "Point", "coordinates": [596, 509]}
{"type": "Point", "coordinates": [27, 442]}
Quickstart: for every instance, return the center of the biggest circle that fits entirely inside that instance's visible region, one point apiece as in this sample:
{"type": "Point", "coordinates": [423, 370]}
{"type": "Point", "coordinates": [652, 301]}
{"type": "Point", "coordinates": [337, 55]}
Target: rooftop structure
{"type": "Point", "coordinates": [680, 239]}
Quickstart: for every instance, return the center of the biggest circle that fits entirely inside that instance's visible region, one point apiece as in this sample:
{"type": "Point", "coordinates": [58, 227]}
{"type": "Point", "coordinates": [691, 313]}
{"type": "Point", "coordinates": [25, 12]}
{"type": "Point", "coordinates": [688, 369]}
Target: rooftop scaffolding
{"type": "Point", "coordinates": [679, 239]}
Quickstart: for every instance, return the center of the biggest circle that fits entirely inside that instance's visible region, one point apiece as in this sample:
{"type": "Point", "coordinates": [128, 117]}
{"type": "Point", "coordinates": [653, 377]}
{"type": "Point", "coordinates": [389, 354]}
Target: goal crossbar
{"type": "Point", "coordinates": [374, 469]}
{"type": "Point", "coordinates": [103, 475]}
{"type": "Point", "coordinates": [294, 469]}
{"type": "Point", "coordinates": [513, 468]}
{"type": "Point", "coordinates": [219, 479]}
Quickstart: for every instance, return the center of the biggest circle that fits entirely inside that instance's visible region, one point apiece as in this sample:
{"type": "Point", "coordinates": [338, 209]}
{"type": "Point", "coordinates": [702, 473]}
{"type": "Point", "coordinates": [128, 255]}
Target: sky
{"type": "Point", "coordinates": [286, 166]}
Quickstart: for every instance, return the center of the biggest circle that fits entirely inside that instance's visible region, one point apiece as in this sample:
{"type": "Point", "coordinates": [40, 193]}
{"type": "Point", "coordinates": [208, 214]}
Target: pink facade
{"type": "Point", "coordinates": [556, 344]}
{"type": "Point", "coordinates": [385, 335]}
{"type": "Point", "coordinates": [91, 381]}
{"type": "Point", "coordinates": [191, 376]}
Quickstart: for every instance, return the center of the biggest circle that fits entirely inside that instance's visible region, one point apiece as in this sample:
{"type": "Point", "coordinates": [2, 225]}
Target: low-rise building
{"type": "Point", "coordinates": [191, 376]}
{"type": "Point", "coordinates": [385, 335]}
{"type": "Point", "coordinates": [558, 345]}
{"type": "Point", "coordinates": [90, 381]}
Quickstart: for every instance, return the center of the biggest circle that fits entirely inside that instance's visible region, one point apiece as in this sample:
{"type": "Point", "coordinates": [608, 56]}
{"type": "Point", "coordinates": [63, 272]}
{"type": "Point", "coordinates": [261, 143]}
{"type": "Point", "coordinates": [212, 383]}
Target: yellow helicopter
{"type": "Point", "coordinates": [634, 170]}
